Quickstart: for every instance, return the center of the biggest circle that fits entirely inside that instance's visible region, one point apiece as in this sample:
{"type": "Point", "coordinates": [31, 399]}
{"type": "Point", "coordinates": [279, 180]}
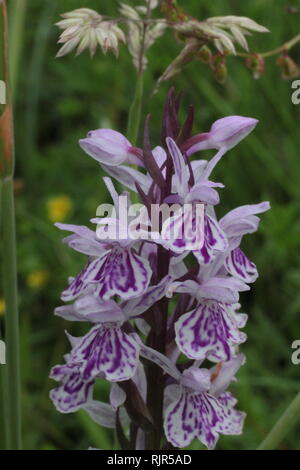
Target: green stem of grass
{"type": "Point", "coordinates": [12, 402]}
{"type": "Point", "coordinates": [134, 118]}
{"type": "Point", "coordinates": [283, 48]}
{"type": "Point", "coordinates": [11, 370]}
{"type": "Point", "coordinates": [16, 40]}
{"type": "Point", "coordinates": [283, 426]}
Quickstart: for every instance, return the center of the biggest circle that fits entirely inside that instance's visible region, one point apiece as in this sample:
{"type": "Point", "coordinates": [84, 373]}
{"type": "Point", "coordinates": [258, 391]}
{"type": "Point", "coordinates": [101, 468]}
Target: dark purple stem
{"type": "Point", "coordinates": [157, 340]}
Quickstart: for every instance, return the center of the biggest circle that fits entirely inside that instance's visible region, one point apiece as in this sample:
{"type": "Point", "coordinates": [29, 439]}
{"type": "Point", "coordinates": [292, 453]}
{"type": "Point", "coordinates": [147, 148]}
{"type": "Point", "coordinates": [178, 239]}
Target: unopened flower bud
{"type": "Point", "coordinates": [204, 55]}
{"type": "Point", "coordinates": [220, 73]}
{"type": "Point", "coordinates": [289, 68]}
{"type": "Point", "coordinates": [172, 12]}
{"type": "Point", "coordinates": [256, 64]}
{"type": "Point", "coordinates": [225, 133]}
{"type": "Point", "coordinates": [108, 147]}
{"type": "Point", "coordinates": [219, 68]}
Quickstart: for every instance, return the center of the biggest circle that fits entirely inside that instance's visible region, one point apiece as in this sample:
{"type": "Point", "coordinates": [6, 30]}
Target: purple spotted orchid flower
{"type": "Point", "coordinates": [155, 312]}
{"type": "Point", "coordinates": [201, 407]}
{"type": "Point", "coordinates": [107, 350]}
{"type": "Point", "coordinates": [113, 265]}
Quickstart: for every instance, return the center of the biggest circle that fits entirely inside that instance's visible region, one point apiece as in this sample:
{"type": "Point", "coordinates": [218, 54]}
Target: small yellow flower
{"type": "Point", "coordinates": [2, 307]}
{"type": "Point", "coordinates": [59, 207]}
{"type": "Point", "coordinates": [37, 278]}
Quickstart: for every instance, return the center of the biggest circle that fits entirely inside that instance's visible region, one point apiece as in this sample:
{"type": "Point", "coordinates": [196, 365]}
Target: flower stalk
{"type": "Point", "coordinates": [284, 47]}
{"type": "Point", "coordinates": [12, 369]}
{"type": "Point", "coordinates": [155, 374]}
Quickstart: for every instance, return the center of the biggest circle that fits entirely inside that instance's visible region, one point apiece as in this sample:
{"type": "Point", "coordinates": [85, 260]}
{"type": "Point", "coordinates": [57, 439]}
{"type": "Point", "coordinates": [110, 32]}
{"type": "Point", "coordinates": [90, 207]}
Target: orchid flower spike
{"type": "Point", "coordinates": [149, 349]}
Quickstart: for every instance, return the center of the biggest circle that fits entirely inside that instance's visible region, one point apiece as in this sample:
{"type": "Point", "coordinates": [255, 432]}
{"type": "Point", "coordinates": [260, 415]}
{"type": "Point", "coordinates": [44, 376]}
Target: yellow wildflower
{"type": "Point", "coordinates": [59, 207]}
{"type": "Point", "coordinates": [2, 306]}
{"type": "Point", "coordinates": [37, 278]}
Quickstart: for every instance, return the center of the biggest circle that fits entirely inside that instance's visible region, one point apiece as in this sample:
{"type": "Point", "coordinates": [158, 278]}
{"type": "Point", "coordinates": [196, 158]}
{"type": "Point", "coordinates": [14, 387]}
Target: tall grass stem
{"type": "Point", "coordinates": [283, 426]}
{"type": "Point", "coordinates": [11, 370]}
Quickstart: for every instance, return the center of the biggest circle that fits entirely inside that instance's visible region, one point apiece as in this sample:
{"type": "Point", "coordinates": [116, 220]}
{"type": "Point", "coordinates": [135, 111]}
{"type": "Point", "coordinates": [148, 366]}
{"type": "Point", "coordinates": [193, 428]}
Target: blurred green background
{"type": "Point", "coordinates": [56, 102]}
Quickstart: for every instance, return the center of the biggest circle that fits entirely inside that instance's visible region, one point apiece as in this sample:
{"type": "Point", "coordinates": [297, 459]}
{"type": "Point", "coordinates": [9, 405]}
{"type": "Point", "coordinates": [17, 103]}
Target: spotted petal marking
{"type": "Point", "coordinates": [234, 422]}
{"type": "Point", "coordinates": [214, 240]}
{"type": "Point", "coordinates": [210, 332]}
{"type": "Point", "coordinates": [107, 351]}
{"type": "Point", "coordinates": [181, 421]}
{"type": "Point", "coordinates": [212, 418]}
{"type": "Point", "coordinates": [122, 272]}
{"type": "Point", "coordinates": [73, 392]}
{"type": "Point", "coordinates": [185, 229]}
{"type": "Point", "coordinates": [117, 272]}
{"type": "Point", "coordinates": [80, 282]}
{"type": "Point", "coordinates": [238, 265]}
{"type": "Point", "coordinates": [200, 415]}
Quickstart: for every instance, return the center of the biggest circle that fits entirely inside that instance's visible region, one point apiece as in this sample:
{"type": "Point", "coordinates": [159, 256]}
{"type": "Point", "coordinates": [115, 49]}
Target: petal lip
{"type": "Point", "coordinates": [238, 265]}
{"type": "Point", "coordinates": [124, 273]}
{"type": "Point", "coordinates": [180, 422]}
{"type": "Point", "coordinates": [118, 272]}
{"type": "Point", "coordinates": [73, 392]}
{"type": "Point", "coordinates": [211, 331]}
{"type": "Point", "coordinates": [106, 351]}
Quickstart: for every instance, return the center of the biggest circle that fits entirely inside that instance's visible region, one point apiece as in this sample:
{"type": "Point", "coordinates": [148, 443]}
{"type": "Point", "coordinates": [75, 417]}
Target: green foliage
{"type": "Point", "coordinates": [57, 101]}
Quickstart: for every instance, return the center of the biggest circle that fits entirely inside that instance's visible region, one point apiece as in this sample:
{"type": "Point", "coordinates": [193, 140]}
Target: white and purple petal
{"type": "Point", "coordinates": [233, 420]}
{"type": "Point", "coordinates": [238, 265]}
{"type": "Point", "coordinates": [204, 192]}
{"type": "Point", "coordinates": [67, 312]}
{"type": "Point", "coordinates": [223, 374]}
{"type": "Point", "coordinates": [107, 351]}
{"type": "Point", "coordinates": [180, 167]}
{"type": "Point", "coordinates": [101, 413]}
{"type": "Point", "coordinates": [74, 391]}
{"type": "Point", "coordinates": [80, 282]}
{"type": "Point", "coordinates": [117, 396]}
{"type": "Point", "coordinates": [222, 288]}
{"type": "Point", "coordinates": [243, 220]}
{"type": "Point", "coordinates": [214, 240]}
{"type": "Point", "coordinates": [93, 309]}
{"type": "Point", "coordinates": [159, 359]}
{"type": "Point", "coordinates": [196, 379]}
{"type": "Point", "coordinates": [181, 421]}
{"type": "Point", "coordinates": [211, 413]}
{"type": "Point", "coordinates": [122, 272]}
{"type": "Point", "coordinates": [83, 239]}
{"type": "Point", "coordinates": [136, 306]}
{"type": "Point", "coordinates": [210, 331]}
{"type": "Point", "coordinates": [128, 176]}
{"type": "Point", "coordinates": [109, 147]}
{"type": "Point", "coordinates": [185, 229]}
